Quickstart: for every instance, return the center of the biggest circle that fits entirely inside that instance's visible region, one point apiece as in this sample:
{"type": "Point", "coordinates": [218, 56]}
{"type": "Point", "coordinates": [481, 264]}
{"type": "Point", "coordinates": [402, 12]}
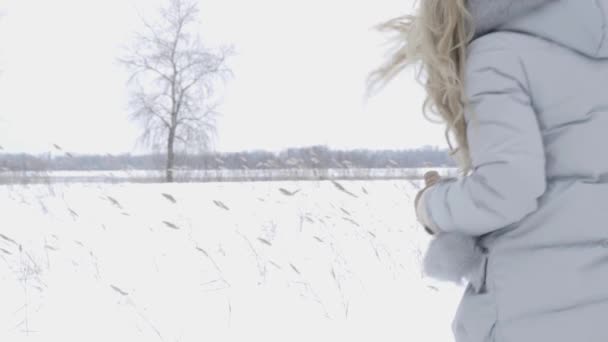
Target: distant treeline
{"type": "Point", "coordinates": [319, 157]}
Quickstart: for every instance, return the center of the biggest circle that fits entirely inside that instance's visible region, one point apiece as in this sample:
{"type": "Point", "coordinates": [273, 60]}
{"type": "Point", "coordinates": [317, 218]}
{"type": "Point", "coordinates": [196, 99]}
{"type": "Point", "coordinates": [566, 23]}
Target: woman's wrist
{"type": "Point", "coordinates": [422, 212]}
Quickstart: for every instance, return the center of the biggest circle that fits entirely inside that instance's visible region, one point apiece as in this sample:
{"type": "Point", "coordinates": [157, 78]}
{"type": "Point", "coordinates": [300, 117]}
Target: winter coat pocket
{"type": "Point", "coordinates": [475, 316]}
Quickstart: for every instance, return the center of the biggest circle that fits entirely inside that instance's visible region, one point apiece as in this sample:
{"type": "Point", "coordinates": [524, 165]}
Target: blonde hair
{"type": "Point", "coordinates": [437, 36]}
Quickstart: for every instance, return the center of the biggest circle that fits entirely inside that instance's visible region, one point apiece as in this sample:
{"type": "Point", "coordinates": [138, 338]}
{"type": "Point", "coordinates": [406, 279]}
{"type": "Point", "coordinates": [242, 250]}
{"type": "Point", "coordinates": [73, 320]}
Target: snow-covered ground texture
{"type": "Point", "coordinates": [259, 261]}
{"type": "Point", "coordinates": [183, 175]}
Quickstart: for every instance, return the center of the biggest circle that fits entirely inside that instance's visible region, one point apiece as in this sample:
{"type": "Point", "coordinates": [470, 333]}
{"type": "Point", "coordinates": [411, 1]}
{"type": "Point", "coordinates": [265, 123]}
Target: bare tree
{"type": "Point", "coordinates": [173, 77]}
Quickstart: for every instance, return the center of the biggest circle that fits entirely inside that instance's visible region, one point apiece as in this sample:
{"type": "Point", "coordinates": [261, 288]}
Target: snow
{"type": "Point", "coordinates": [151, 176]}
{"type": "Point", "coordinates": [218, 262]}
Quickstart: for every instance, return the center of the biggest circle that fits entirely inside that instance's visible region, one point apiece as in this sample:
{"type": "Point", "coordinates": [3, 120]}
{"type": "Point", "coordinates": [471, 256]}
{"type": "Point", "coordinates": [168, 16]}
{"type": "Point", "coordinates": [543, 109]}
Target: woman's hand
{"type": "Point", "coordinates": [430, 178]}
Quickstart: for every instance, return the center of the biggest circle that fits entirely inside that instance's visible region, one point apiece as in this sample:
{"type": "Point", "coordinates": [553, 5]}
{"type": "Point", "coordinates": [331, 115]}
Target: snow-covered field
{"type": "Point", "coordinates": [259, 261]}
{"type": "Point", "coordinates": [181, 175]}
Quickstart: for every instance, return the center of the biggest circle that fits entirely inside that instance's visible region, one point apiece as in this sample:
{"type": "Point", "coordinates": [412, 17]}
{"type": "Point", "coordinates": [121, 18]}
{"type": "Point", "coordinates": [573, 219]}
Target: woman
{"type": "Point", "coordinates": [523, 87]}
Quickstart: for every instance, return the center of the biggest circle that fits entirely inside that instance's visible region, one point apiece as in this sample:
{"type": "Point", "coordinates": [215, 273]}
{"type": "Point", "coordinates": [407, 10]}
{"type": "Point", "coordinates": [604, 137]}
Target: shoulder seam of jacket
{"type": "Point", "coordinates": [524, 83]}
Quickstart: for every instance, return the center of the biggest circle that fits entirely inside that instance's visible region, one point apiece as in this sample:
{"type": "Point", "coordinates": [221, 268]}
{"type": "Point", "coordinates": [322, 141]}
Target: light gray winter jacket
{"type": "Point", "coordinates": [537, 76]}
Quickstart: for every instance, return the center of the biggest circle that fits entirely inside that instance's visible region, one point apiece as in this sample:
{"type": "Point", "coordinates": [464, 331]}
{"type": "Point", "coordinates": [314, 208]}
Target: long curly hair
{"type": "Point", "coordinates": [435, 38]}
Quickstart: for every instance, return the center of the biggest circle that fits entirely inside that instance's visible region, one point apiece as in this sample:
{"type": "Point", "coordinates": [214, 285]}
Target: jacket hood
{"type": "Point", "coordinates": [581, 25]}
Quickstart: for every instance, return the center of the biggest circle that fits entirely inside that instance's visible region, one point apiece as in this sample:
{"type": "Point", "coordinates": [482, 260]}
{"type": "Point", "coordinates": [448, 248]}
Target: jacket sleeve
{"type": "Point", "coordinates": [508, 157]}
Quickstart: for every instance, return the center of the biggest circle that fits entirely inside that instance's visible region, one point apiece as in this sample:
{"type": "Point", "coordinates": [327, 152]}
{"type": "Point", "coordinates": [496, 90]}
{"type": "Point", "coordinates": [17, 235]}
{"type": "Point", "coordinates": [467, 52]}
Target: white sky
{"type": "Point", "coordinates": [299, 76]}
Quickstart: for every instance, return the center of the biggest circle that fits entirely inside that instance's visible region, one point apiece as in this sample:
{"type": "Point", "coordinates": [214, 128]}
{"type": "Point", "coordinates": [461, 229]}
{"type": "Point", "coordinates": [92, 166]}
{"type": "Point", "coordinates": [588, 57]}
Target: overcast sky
{"type": "Point", "coordinates": [298, 76]}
